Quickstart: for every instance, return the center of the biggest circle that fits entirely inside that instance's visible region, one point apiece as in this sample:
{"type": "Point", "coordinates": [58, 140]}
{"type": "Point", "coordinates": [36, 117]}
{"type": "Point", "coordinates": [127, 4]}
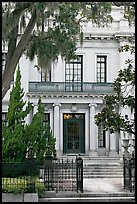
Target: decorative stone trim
{"type": "Point", "coordinates": [31, 95]}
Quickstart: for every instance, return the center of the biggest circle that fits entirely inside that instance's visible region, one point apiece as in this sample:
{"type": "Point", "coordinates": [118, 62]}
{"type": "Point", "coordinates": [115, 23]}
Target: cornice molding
{"type": "Point", "coordinates": [63, 95]}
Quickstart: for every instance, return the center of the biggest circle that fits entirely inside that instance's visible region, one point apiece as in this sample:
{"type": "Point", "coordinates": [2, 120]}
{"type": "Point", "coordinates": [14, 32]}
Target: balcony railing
{"type": "Point", "coordinates": [85, 87]}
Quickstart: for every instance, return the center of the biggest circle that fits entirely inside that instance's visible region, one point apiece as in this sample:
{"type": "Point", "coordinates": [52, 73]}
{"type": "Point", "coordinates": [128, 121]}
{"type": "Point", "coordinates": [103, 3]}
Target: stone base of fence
{"type": "Point", "coordinates": [19, 197]}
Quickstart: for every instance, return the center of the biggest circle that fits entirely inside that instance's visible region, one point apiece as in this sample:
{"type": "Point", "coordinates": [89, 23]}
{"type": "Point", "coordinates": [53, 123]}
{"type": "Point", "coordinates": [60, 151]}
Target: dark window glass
{"type": "Point", "coordinates": [4, 118]}
{"type": "Point", "coordinates": [45, 75]}
{"type": "Point", "coordinates": [101, 137]}
{"type": "Point", "coordinates": [101, 68]}
{"type": "Point", "coordinates": [46, 118]}
{"type": "Point", "coordinates": [73, 74]}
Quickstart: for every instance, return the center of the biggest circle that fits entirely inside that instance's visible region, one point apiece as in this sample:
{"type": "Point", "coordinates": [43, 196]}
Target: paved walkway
{"type": "Point", "coordinates": [103, 185]}
{"type": "Point", "coordinates": [95, 190]}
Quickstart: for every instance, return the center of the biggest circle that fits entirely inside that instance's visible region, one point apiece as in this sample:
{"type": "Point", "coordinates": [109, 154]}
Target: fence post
{"type": "Point", "coordinates": [48, 171]}
{"type": "Point", "coordinates": [132, 174]}
{"type": "Point", "coordinates": [79, 174]}
{"type": "Point", "coordinates": [30, 160]}
{"type": "Point", "coordinates": [124, 171]}
{"type": "Point", "coordinates": [129, 173]}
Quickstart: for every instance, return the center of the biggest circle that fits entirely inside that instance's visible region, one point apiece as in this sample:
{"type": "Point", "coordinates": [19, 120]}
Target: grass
{"type": "Point", "coordinates": [20, 185]}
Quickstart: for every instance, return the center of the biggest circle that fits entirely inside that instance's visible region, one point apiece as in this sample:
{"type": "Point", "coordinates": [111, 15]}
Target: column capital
{"type": "Point", "coordinates": [56, 104]}
{"type": "Point", "coordinates": [92, 105]}
{"type": "Point", "coordinates": [34, 104]}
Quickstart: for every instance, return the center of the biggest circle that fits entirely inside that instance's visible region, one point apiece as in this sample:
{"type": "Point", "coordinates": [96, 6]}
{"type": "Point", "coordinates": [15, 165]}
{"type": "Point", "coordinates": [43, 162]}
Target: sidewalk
{"type": "Point", "coordinates": [94, 190]}
{"type": "Point", "coordinates": [103, 185]}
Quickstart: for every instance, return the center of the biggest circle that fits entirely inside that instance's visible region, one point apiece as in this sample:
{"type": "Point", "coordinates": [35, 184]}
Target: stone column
{"type": "Point", "coordinates": [35, 109]}
{"type": "Point", "coordinates": [113, 148]}
{"type": "Point", "coordinates": [30, 115]}
{"type": "Point", "coordinates": [92, 135]}
{"type": "Point", "coordinates": [107, 142]}
{"type": "Point", "coordinates": [133, 144]}
{"type": "Point", "coordinates": [56, 125]}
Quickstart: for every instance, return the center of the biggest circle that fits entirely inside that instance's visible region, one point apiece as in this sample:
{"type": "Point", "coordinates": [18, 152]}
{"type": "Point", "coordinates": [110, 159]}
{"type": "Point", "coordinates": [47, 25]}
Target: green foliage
{"type": "Point", "coordinates": [18, 169]}
{"type": "Point", "coordinates": [13, 139]}
{"type": "Point", "coordinates": [60, 36]}
{"type": "Point", "coordinates": [39, 134]}
{"type": "Point", "coordinates": [129, 12]}
{"type": "Point", "coordinates": [16, 185]}
{"type": "Point", "coordinates": [54, 29]}
{"type": "Point", "coordinates": [17, 136]}
{"type": "Point", "coordinates": [109, 117]}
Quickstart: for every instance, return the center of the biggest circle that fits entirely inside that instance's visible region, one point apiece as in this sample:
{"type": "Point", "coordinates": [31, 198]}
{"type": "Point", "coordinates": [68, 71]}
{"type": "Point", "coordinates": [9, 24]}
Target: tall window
{"type": "Point", "coordinates": [4, 118]}
{"type": "Point", "coordinates": [46, 119]}
{"type": "Point", "coordinates": [101, 137]}
{"type": "Point", "coordinates": [45, 75]}
{"type": "Point", "coordinates": [73, 74]}
{"type": "Point", "coordinates": [101, 68]}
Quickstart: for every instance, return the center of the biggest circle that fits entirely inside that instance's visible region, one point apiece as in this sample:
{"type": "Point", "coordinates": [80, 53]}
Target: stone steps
{"type": "Point", "coordinates": [87, 197]}
{"type": "Point", "coordinates": [104, 167]}
{"type": "Point", "coordinates": [102, 176]}
{"type": "Point", "coordinates": [99, 167]}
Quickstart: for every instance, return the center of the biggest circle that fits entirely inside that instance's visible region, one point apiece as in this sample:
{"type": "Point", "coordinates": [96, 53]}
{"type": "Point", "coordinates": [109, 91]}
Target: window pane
{"type": "Point", "coordinates": [75, 72]}
{"type": "Point", "coordinates": [101, 137]}
{"type": "Point", "coordinates": [46, 75]}
{"type": "Point", "coordinates": [101, 68]}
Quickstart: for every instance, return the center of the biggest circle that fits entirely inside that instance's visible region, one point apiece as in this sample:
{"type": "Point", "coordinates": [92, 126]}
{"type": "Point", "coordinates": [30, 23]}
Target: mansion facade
{"type": "Point", "coordinates": [72, 91]}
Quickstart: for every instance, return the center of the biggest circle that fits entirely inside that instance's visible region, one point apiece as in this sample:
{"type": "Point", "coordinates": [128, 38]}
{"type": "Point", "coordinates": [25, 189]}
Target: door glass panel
{"type": "Point", "coordinates": [73, 136]}
{"type": "Point", "coordinates": [74, 133]}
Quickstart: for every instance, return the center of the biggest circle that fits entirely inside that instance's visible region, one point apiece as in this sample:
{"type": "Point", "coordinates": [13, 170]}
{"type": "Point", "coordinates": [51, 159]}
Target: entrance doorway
{"type": "Point", "coordinates": [74, 133]}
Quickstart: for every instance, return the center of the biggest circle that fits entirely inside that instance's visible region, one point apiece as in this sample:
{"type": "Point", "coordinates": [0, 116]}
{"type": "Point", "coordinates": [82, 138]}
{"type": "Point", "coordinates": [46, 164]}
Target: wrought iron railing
{"type": "Point", "coordinates": [51, 174]}
{"type": "Point", "coordinates": [63, 174]}
{"type": "Point", "coordinates": [129, 173]}
{"type": "Point", "coordinates": [86, 87]}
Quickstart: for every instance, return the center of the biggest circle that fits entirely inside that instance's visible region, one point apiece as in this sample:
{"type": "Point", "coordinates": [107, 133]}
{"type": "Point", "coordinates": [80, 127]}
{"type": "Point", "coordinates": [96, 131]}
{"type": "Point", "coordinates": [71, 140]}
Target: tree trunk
{"type": "Point", "coordinates": [10, 68]}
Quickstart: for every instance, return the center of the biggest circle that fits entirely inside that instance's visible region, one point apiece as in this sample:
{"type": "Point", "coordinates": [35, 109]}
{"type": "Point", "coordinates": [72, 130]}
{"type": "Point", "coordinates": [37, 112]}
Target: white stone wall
{"type": "Point", "coordinates": [100, 41]}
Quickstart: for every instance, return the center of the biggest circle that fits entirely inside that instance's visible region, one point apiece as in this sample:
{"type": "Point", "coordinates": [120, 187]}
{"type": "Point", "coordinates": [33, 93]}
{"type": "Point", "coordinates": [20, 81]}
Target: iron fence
{"type": "Point", "coordinates": [51, 174]}
{"type": "Point", "coordinates": [21, 177]}
{"type": "Point", "coordinates": [129, 173]}
{"type": "Point", "coordinates": [63, 174]}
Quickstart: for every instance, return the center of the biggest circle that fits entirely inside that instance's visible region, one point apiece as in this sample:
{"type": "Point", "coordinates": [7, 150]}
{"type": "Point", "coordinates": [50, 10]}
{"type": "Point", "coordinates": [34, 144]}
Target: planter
{"type": "Point", "coordinates": [30, 197]}
{"type": "Point", "coordinates": [125, 145]}
{"type": "Point", "coordinates": [19, 197]}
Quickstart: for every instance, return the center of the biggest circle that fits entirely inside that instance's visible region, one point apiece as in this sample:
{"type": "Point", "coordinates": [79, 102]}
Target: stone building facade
{"type": "Point", "coordinates": [72, 91]}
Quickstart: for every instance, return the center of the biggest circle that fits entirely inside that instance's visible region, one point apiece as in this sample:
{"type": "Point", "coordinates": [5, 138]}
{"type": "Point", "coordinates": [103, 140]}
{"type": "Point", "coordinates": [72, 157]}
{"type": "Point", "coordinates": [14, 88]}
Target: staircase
{"type": "Point", "coordinates": [105, 167]}
{"type": "Point", "coordinates": [92, 197]}
{"type": "Point", "coordinates": [102, 171]}
{"type": "Point", "coordinates": [100, 167]}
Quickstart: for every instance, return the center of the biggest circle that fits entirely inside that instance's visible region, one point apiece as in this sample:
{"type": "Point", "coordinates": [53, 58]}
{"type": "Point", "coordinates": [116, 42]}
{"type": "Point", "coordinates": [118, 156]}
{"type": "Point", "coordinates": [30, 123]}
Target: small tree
{"type": "Point", "coordinates": [39, 134]}
{"type": "Point", "coordinates": [110, 116]}
{"type": "Point", "coordinates": [13, 145]}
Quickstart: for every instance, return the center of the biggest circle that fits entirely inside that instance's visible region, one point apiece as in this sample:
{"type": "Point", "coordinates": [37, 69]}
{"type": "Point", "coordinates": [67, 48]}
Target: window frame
{"type": "Point", "coordinates": [4, 119]}
{"type": "Point", "coordinates": [99, 74]}
{"type": "Point", "coordinates": [101, 137]}
{"type": "Point", "coordinates": [44, 77]}
{"type": "Point", "coordinates": [74, 74]}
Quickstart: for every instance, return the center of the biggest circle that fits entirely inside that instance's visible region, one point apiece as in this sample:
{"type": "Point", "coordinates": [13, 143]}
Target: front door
{"type": "Point", "coordinates": [74, 133]}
